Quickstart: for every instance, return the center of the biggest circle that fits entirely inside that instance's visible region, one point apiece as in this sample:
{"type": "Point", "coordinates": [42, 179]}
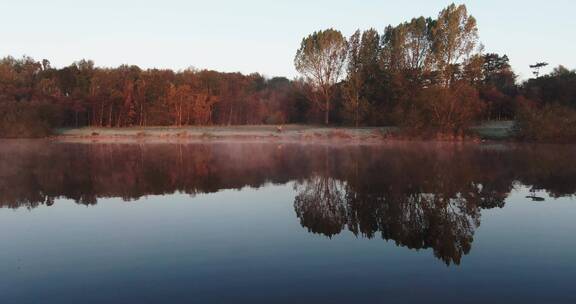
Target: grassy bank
{"type": "Point", "coordinates": [288, 132]}
{"type": "Point", "coordinates": [495, 130]}
{"type": "Point", "coordinates": [491, 130]}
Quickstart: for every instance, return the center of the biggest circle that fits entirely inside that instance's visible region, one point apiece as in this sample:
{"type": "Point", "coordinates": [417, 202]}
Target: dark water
{"type": "Point", "coordinates": [287, 223]}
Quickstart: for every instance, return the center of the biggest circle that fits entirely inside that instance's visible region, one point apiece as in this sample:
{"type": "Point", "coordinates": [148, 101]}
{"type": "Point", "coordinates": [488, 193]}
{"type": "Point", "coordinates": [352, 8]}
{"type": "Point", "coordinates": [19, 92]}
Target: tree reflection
{"type": "Point", "coordinates": [420, 199]}
{"type": "Point", "coordinates": [321, 205]}
{"type": "Point", "coordinates": [421, 196]}
{"type": "Point", "coordinates": [418, 220]}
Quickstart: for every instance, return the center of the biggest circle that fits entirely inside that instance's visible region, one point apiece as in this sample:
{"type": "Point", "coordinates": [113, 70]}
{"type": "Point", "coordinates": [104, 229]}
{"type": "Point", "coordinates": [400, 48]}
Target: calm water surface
{"type": "Point", "coordinates": [287, 223]}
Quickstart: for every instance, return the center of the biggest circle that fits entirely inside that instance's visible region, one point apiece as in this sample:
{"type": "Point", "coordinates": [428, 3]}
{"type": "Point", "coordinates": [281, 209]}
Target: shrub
{"type": "Point", "coordinates": [27, 119]}
{"type": "Point", "coordinates": [439, 111]}
{"type": "Point", "coordinates": [549, 123]}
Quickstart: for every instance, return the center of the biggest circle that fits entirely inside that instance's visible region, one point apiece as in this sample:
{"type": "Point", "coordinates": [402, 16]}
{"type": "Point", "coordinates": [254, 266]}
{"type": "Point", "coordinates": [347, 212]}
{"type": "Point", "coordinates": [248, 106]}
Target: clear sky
{"type": "Point", "coordinates": [260, 35]}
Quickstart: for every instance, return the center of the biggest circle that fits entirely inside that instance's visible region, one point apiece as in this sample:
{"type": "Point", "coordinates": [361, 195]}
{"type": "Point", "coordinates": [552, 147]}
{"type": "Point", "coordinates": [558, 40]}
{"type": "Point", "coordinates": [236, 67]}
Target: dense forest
{"type": "Point", "coordinates": [428, 76]}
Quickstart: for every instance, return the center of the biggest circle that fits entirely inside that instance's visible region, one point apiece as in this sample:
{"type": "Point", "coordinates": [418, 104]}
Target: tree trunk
{"type": "Point", "coordinates": [90, 116]}
{"type": "Point", "coordinates": [110, 117]}
{"type": "Point", "coordinates": [101, 114]}
{"type": "Point", "coordinates": [356, 115]}
{"type": "Point", "coordinates": [230, 116]}
{"type": "Point", "coordinates": [119, 120]}
{"type": "Point", "coordinates": [327, 112]}
{"type": "Point", "coordinates": [141, 123]}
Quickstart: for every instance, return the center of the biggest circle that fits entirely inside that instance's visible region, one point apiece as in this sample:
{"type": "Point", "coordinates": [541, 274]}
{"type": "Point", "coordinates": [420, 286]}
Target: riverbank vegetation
{"type": "Point", "coordinates": [430, 77]}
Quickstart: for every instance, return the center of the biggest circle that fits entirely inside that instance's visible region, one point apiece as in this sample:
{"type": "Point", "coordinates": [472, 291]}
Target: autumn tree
{"type": "Point", "coordinates": [25, 110]}
{"type": "Point", "coordinates": [363, 74]}
{"type": "Point", "coordinates": [406, 64]}
{"type": "Point", "coordinates": [407, 47]}
{"type": "Point", "coordinates": [496, 70]}
{"type": "Point", "coordinates": [320, 59]}
{"type": "Point", "coordinates": [179, 98]}
{"type": "Point", "coordinates": [498, 87]}
{"type": "Point", "coordinates": [556, 87]}
{"type": "Point", "coordinates": [447, 102]}
{"type": "Point", "coordinates": [354, 82]}
{"type": "Point", "coordinates": [454, 39]}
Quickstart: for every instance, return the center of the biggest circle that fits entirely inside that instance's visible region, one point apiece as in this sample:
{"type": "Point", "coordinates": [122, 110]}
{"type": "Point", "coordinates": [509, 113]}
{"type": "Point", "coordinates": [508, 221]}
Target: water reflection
{"type": "Point", "coordinates": [417, 195]}
{"type": "Point", "coordinates": [442, 221]}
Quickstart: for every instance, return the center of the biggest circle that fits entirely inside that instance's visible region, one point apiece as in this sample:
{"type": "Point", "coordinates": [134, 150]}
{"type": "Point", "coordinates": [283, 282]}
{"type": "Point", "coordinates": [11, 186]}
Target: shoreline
{"type": "Point", "coordinates": [491, 131]}
{"type": "Point", "coordinates": [290, 133]}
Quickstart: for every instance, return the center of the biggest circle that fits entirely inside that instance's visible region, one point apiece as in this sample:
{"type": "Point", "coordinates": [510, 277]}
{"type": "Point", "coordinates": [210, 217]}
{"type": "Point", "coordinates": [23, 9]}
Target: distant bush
{"type": "Point", "coordinates": [444, 113]}
{"type": "Point", "coordinates": [549, 123]}
{"type": "Point", "coordinates": [27, 119]}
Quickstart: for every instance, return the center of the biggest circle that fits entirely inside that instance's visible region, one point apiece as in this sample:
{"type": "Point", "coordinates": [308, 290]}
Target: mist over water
{"type": "Point", "coordinates": [271, 222]}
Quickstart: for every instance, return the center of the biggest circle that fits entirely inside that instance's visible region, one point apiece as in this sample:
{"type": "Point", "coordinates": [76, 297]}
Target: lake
{"type": "Point", "coordinates": [255, 222]}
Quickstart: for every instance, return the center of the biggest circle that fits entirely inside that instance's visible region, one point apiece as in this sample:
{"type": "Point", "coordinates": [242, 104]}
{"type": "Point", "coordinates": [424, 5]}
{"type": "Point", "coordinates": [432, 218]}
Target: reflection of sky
{"type": "Point", "coordinates": [249, 245]}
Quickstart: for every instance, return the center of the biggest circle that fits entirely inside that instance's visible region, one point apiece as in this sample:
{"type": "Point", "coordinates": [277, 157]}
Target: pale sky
{"type": "Point", "coordinates": [260, 35]}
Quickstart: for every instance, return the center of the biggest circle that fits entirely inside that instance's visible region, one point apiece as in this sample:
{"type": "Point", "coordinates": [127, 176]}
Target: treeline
{"type": "Point", "coordinates": [429, 76]}
{"type": "Point", "coordinates": [84, 95]}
